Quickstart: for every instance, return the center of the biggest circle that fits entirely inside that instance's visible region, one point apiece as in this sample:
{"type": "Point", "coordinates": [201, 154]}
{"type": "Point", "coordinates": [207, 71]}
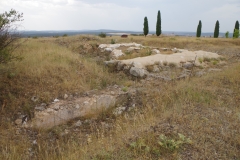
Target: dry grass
{"type": "Point", "coordinates": [206, 110]}
{"type": "Point", "coordinates": [48, 71]}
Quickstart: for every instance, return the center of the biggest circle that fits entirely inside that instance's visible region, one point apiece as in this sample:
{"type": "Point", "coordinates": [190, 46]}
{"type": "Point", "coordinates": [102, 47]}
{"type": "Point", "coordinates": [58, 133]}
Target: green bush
{"type": "Point", "coordinates": [102, 35]}
{"type": "Point", "coordinates": [9, 35]}
{"type": "Point", "coordinates": [227, 34]}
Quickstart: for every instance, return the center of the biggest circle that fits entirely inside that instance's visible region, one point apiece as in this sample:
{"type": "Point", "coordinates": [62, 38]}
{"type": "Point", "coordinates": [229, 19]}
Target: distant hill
{"type": "Point", "coordinates": [50, 33]}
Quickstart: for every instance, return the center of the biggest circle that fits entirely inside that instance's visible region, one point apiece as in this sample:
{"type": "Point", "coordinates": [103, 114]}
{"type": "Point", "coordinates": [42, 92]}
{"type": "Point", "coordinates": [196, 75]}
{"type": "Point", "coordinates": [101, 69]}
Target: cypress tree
{"type": "Point", "coordinates": [236, 27]}
{"type": "Point", "coordinates": [216, 30]}
{"type": "Point", "coordinates": [199, 29]}
{"type": "Point", "coordinates": [158, 26]}
{"type": "Point", "coordinates": [145, 27]}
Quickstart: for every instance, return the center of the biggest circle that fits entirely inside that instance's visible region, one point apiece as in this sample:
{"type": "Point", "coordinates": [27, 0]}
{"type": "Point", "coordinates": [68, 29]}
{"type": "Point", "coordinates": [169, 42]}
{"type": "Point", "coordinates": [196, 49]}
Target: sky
{"type": "Point", "coordinates": [128, 15]}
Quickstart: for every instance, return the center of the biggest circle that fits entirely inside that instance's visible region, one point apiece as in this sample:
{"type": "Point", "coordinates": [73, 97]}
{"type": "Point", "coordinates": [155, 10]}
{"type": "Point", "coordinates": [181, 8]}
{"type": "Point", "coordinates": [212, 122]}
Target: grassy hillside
{"type": "Point", "coordinates": [197, 118]}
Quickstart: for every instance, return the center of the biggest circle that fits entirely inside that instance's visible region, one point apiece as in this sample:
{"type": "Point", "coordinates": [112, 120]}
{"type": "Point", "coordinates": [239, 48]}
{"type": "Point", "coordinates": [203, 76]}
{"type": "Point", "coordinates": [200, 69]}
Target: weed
{"type": "Point", "coordinates": [127, 52]}
{"type": "Point", "coordinates": [150, 68]}
{"type": "Point", "coordinates": [140, 146]}
{"type": "Point", "coordinates": [172, 144]}
{"type": "Point", "coordinates": [11, 75]}
{"type": "Point", "coordinates": [157, 63]}
{"type": "Point", "coordinates": [172, 65]}
{"type": "Point", "coordinates": [148, 52]}
{"type": "Point", "coordinates": [165, 63]}
{"type": "Point", "coordinates": [222, 58]}
{"type": "Point", "coordinates": [172, 39]}
{"type": "Point", "coordinates": [103, 156]}
{"type": "Point", "coordinates": [124, 89]}
{"type": "Point", "coordinates": [200, 60]}
{"type": "Point", "coordinates": [206, 59]}
{"type": "Point", "coordinates": [214, 62]}
{"type": "Point", "coordinates": [113, 41]}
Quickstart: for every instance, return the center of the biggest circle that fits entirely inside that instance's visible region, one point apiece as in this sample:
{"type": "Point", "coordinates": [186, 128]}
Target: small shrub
{"type": "Point", "coordinates": [214, 62]}
{"type": "Point", "coordinates": [165, 63]}
{"type": "Point", "coordinates": [65, 35]}
{"type": "Point", "coordinates": [140, 146]}
{"type": "Point", "coordinates": [172, 65]}
{"type": "Point", "coordinates": [124, 89]}
{"type": "Point", "coordinates": [113, 41]}
{"type": "Point", "coordinates": [11, 75]}
{"type": "Point", "coordinates": [35, 37]}
{"type": "Point", "coordinates": [56, 36]}
{"type": "Point", "coordinates": [157, 63]}
{"type": "Point", "coordinates": [150, 68]}
{"type": "Point", "coordinates": [127, 52]}
{"type": "Point", "coordinates": [221, 58]}
{"type": "Point", "coordinates": [148, 52]}
{"type": "Point", "coordinates": [102, 35]}
{"type": "Point", "coordinates": [200, 60]}
{"type": "Point", "coordinates": [206, 59]}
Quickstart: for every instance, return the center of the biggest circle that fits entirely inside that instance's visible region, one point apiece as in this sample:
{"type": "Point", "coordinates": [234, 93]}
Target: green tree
{"type": "Point", "coordinates": [145, 28]}
{"type": "Point", "coordinates": [236, 33]}
{"type": "Point", "coordinates": [199, 29]}
{"type": "Point", "coordinates": [236, 27]}
{"type": "Point", "coordinates": [216, 30]}
{"type": "Point", "coordinates": [158, 26]}
{"type": "Point", "coordinates": [227, 34]}
{"type": "Point", "coordinates": [9, 34]}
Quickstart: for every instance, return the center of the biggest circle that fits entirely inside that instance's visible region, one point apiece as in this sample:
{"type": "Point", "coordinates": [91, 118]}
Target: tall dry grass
{"type": "Point", "coordinates": [48, 71]}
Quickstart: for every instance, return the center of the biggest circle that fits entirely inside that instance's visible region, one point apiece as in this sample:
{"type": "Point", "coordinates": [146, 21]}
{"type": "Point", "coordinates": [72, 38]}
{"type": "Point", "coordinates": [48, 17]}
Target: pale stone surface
{"type": "Point", "coordinates": [65, 96]}
{"type": "Point", "coordinates": [108, 49]}
{"type": "Point", "coordinates": [62, 111]}
{"type": "Point", "coordinates": [18, 121]}
{"type": "Point", "coordinates": [138, 72]}
{"type": "Point", "coordinates": [185, 55]}
{"type": "Point", "coordinates": [156, 69]}
{"type": "Point", "coordinates": [118, 111]}
{"type": "Point", "coordinates": [117, 53]}
{"type": "Point", "coordinates": [156, 51]}
{"type": "Point", "coordinates": [115, 46]}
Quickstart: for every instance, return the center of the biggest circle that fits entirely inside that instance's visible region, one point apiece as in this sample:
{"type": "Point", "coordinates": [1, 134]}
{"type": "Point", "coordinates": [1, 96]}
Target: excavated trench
{"type": "Point", "coordinates": [96, 102]}
{"type": "Point", "coordinates": [93, 103]}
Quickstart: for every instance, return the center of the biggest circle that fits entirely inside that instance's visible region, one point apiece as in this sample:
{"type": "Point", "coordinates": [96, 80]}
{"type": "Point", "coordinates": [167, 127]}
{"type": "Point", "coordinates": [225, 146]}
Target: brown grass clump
{"type": "Point", "coordinates": [150, 68]}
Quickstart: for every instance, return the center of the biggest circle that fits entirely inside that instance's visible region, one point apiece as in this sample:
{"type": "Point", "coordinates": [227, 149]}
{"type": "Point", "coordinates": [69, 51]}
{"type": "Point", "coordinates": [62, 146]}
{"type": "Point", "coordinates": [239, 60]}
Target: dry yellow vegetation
{"type": "Point", "coordinates": [197, 118]}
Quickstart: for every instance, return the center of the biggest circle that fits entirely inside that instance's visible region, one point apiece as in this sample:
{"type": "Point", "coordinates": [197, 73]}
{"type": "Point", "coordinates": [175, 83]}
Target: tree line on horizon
{"type": "Point", "coordinates": [199, 28]}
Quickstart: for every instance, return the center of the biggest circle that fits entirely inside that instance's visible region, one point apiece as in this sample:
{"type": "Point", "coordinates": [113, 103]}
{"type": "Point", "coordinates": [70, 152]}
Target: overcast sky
{"type": "Point", "coordinates": [176, 15]}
